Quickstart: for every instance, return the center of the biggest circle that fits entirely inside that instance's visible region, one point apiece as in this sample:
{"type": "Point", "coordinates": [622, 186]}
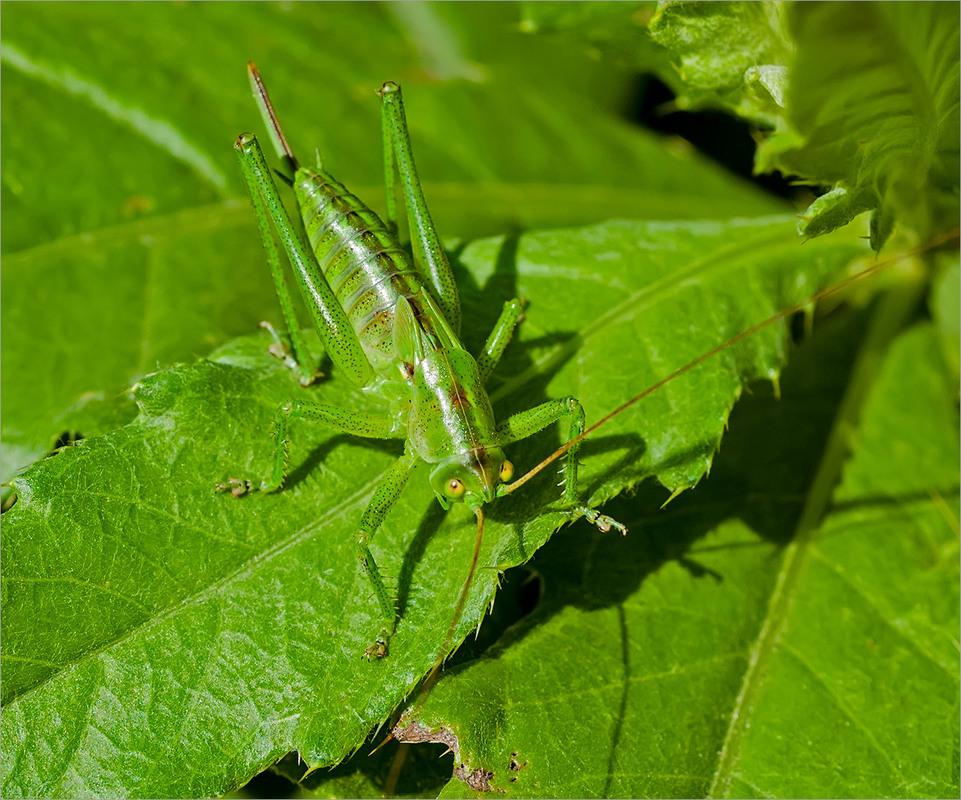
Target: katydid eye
{"type": "Point", "coordinates": [507, 471]}
{"type": "Point", "coordinates": [455, 487]}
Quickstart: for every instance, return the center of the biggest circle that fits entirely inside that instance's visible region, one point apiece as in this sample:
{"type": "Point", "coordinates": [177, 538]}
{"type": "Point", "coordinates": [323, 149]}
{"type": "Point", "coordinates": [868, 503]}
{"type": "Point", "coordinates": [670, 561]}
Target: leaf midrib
{"type": "Point", "coordinates": [158, 132]}
{"type": "Point", "coordinates": [889, 317]}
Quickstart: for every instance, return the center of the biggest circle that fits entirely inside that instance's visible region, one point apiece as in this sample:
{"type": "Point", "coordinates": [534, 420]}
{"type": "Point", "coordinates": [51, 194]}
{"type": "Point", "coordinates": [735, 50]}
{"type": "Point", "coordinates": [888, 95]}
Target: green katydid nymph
{"type": "Point", "coordinates": [390, 323]}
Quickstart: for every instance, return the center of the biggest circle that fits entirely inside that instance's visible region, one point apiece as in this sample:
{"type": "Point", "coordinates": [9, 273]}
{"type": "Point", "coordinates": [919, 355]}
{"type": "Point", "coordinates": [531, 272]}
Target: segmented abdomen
{"type": "Point", "coordinates": [363, 263]}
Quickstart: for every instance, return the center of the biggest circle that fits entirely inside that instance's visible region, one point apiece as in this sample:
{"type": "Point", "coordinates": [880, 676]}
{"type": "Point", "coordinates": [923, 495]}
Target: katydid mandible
{"type": "Point", "coordinates": [390, 324]}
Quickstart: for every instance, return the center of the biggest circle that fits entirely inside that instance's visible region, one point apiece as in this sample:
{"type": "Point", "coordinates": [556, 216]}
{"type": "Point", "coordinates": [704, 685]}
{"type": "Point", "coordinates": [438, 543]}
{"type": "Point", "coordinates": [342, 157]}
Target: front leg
{"type": "Point", "coordinates": [371, 426]}
{"type": "Point", "coordinates": [527, 423]}
{"type": "Point", "coordinates": [385, 498]}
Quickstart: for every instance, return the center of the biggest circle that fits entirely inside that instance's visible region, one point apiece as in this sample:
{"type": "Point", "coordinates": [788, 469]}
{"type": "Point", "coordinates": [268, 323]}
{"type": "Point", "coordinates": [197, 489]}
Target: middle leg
{"type": "Point", "coordinates": [527, 423]}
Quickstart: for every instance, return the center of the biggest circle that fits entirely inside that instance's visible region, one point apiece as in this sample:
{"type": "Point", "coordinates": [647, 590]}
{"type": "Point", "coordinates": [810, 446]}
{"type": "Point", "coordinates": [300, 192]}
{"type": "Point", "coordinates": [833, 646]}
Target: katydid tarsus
{"type": "Point", "coordinates": [390, 324]}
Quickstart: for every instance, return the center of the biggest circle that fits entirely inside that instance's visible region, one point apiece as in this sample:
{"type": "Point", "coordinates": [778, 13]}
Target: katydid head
{"type": "Point", "coordinates": [471, 477]}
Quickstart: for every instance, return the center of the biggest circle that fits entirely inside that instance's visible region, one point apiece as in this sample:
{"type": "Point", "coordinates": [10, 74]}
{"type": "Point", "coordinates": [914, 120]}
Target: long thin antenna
{"type": "Point", "coordinates": [946, 237]}
{"type": "Point", "coordinates": [270, 118]}
{"type": "Point", "coordinates": [391, 782]}
{"type": "Point", "coordinates": [461, 602]}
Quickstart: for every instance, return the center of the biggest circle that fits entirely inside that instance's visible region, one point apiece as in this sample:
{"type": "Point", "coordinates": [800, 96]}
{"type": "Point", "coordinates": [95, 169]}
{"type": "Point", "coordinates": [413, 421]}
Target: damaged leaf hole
{"type": "Point", "coordinates": [413, 732]}
{"type": "Point", "coordinates": [65, 439]}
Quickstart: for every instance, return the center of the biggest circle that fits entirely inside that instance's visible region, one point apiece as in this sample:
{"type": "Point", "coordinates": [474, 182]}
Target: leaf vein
{"type": "Point", "coordinates": [875, 606]}
{"type": "Point", "coordinates": [156, 131]}
{"type": "Point", "coordinates": [848, 712]}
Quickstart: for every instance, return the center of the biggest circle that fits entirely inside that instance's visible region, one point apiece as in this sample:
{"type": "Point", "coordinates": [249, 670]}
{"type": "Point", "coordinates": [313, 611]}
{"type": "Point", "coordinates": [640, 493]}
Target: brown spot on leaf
{"type": "Point", "coordinates": [479, 780]}
{"type": "Point", "coordinates": [415, 733]}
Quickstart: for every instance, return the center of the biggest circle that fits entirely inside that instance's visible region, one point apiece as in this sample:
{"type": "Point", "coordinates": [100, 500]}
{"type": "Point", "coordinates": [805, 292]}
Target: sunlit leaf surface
{"type": "Point", "coordinates": [135, 598]}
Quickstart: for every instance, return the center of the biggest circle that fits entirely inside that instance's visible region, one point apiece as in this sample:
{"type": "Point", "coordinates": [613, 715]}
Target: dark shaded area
{"type": "Point", "coordinates": [726, 139]}
{"type": "Point", "coordinates": [64, 439]}
{"type": "Point", "coordinates": [518, 596]}
{"type": "Point", "coordinates": [761, 475]}
{"type": "Point", "coordinates": [270, 784]}
{"type": "Point", "coordinates": [426, 771]}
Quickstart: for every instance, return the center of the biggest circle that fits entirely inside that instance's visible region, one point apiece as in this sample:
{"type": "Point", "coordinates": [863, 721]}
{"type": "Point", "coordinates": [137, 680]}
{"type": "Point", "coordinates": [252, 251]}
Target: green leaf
{"type": "Point", "coordinates": [730, 54]}
{"type": "Point", "coordinates": [163, 640]}
{"type": "Point", "coordinates": [873, 106]}
{"type": "Point", "coordinates": [128, 244]}
{"type": "Point", "coordinates": [862, 97]}
{"type": "Point", "coordinates": [714, 651]}
{"type": "Point", "coordinates": [945, 309]}
{"type": "Point", "coordinates": [618, 30]}
{"type": "Point", "coordinates": [868, 633]}
{"type": "Point", "coordinates": [87, 314]}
